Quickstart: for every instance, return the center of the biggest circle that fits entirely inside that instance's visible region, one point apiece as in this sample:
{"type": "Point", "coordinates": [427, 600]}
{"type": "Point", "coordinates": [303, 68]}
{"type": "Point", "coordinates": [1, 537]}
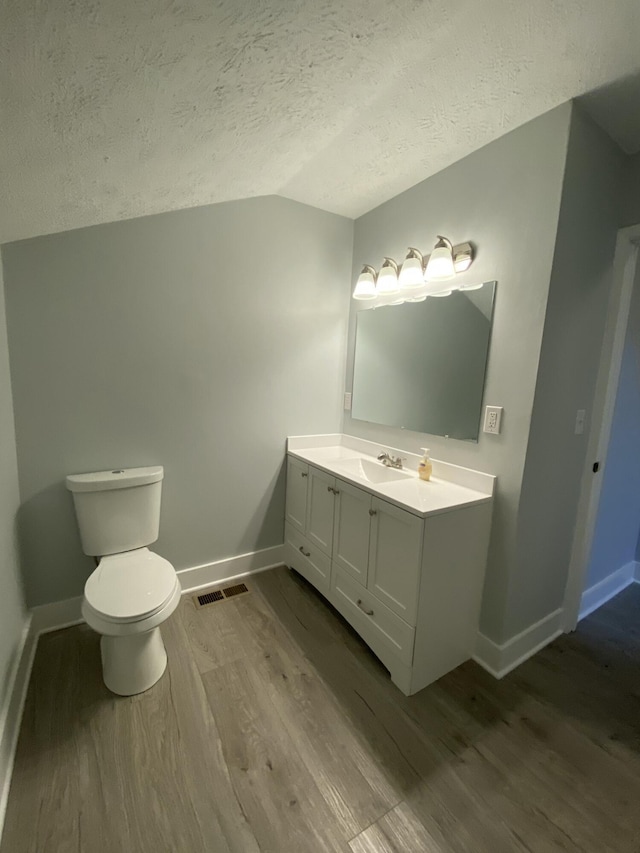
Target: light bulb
{"type": "Point", "coordinates": [387, 281]}
{"type": "Point", "coordinates": [440, 265]}
{"type": "Point", "coordinates": [411, 274]}
{"type": "Point", "coordinates": [366, 285]}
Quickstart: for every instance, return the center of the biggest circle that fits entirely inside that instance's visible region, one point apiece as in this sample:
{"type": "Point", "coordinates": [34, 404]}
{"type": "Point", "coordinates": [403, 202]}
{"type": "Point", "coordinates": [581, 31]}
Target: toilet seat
{"type": "Point", "coordinates": [131, 586]}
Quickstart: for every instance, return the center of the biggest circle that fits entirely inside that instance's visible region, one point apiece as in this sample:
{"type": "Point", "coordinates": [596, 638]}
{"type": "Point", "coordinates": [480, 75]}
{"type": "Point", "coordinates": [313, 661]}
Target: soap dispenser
{"type": "Point", "coordinates": [425, 467]}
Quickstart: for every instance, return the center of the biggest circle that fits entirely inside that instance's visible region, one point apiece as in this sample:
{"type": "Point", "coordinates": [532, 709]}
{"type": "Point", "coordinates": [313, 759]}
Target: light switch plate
{"type": "Point", "coordinates": [492, 419]}
{"type": "Point", "coordinates": [347, 401]}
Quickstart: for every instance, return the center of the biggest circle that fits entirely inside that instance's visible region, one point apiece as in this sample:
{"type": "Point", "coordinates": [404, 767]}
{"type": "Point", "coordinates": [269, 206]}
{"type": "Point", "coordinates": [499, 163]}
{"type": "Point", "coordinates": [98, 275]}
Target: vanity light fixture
{"type": "Point", "coordinates": [412, 272]}
{"type": "Point", "coordinates": [440, 266]}
{"type": "Point", "coordinates": [387, 282]}
{"type": "Point", "coordinates": [420, 275]}
{"type": "Point", "coordinates": [366, 285]}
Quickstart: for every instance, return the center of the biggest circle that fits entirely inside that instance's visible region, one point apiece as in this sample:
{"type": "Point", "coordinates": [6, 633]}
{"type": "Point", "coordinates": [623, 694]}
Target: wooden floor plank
{"type": "Point", "coordinates": [212, 632]}
{"type": "Point", "coordinates": [276, 791]}
{"type": "Point", "coordinates": [346, 771]}
{"type": "Point", "coordinates": [398, 831]}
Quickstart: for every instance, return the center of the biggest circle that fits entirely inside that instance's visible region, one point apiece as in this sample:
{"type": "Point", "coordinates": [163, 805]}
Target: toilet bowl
{"type": "Point", "coordinates": [126, 599]}
{"type": "Point", "coordinates": [133, 590]}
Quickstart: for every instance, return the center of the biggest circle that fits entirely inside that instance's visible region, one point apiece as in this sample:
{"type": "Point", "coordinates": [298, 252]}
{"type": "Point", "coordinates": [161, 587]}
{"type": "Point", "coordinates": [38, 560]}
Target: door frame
{"type": "Point", "coordinates": [604, 399]}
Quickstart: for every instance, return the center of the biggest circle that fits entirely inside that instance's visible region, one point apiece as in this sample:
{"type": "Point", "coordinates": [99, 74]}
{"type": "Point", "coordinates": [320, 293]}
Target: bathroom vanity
{"type": "Point", "coordinates": [403, 560]}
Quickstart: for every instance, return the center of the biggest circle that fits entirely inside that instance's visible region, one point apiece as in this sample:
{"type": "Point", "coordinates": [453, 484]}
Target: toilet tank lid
{"type": "Point", "coordinates": [122, 478]}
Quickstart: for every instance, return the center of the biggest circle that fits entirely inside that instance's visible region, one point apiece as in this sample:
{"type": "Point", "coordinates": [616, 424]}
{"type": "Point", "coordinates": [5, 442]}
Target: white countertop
{"type": "Point", "coordinates": [449, 488]}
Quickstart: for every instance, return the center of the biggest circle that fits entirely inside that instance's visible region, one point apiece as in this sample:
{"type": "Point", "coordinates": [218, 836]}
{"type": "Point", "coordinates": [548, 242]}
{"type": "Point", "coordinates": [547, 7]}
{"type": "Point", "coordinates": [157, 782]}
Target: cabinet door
{"type": "Point", "coordinates": [321, 493]}
{"type": "Point", "coordinates": [395, 557]}
{"type": "Point", "coordinates": [297, 476]}
{"type": "Point", "coordinates": [351, 530]}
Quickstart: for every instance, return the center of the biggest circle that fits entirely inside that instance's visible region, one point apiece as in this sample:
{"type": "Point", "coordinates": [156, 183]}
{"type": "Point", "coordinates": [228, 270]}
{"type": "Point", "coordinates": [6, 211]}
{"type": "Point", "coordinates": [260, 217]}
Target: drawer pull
{"type": "Point", "coordinates": [373, 512]}
{"type": "Point", "coordinates": [363, 608]}
{"type": "Point", "coordinates": [304, 474]}
{"type": "Point", "coordinates": [303, 552]}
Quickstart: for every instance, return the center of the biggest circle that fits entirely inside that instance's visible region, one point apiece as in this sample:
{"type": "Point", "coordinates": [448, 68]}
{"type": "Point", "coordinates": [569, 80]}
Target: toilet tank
{"type": "Point", "coordinates": [117, 510]}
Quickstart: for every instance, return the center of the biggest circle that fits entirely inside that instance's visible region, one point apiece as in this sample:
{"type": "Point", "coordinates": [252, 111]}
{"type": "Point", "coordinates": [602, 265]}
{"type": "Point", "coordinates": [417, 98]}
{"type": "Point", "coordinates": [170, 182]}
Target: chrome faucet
{"type": "Point", "coordinates": [390, 461]}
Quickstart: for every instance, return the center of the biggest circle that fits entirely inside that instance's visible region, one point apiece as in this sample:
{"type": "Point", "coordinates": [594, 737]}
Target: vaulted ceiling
{"type": "Point", "coordinates": [111, 109]}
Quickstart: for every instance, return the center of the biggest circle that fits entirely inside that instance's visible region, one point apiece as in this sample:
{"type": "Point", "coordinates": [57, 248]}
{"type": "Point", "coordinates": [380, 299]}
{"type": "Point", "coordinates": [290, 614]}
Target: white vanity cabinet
{"type": "Point", "coordinates": [410, 584]}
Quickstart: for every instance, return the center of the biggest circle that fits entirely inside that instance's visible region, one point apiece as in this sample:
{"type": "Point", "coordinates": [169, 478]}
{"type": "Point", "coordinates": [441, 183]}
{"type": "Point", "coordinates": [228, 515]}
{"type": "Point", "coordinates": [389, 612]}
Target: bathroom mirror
{"type": "Point", "coordinates": [421, 365]}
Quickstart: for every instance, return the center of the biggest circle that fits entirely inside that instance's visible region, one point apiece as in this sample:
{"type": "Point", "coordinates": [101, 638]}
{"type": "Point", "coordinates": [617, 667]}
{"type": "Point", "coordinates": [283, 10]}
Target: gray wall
{"type": "Point", "coordinates": [12, 613]}
{"type": "Point", "coordinates": [197, 340]}
{"type": "Point", "coordinates": [618, 524]}
{"type": "Point", "coordinates": [571, 346]}
{"type": "Point", "coordinates": [506, 199]}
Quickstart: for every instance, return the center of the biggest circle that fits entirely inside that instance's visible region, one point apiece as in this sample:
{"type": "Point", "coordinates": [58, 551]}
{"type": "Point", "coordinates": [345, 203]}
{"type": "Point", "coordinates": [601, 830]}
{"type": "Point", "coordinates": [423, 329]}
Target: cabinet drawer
{"type": "Point", "coordinates": [307, 559]}
{"type": "Point", "coordinates": [378, 626]}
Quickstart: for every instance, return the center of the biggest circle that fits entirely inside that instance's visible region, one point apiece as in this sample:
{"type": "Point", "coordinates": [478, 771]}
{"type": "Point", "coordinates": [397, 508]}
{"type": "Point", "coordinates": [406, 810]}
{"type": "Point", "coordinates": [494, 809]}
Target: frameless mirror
{"type": "Point", "coordinates": [421, 365]}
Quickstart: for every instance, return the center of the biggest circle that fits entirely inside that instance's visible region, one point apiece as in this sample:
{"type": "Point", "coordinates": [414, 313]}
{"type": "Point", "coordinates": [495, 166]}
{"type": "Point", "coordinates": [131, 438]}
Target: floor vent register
{"type": "Point", "coordinates": [213, 596]}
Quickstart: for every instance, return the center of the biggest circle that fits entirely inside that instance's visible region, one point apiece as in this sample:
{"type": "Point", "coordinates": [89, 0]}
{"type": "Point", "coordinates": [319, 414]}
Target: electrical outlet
{"type": "Point", "coordinates": [347, 401]}
{"type": "Point", "coordinates": [581, 416]}
{"type": "Point", "coordinates": [492, 418]}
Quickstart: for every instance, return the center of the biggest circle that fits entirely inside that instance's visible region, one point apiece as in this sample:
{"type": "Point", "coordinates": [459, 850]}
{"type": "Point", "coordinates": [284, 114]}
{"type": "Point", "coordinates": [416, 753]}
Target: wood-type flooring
{"type": "Point", "coordinates": [276, 730]}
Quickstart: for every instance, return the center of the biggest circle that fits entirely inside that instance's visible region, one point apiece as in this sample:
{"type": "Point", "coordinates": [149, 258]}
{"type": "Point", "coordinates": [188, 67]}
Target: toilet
{"type": "Point", "coordinates": [132, 591]}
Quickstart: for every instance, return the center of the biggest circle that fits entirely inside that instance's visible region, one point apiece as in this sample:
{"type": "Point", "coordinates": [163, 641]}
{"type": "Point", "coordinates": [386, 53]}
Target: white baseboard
{"type": "Point", "coordinates": [231, 569]}
{"type": "Point", "coordinates": [11, 712]}
{"type": "Point", "coordinates": [58, 614]}
{"type": "Point", "coordinates": [63, 614]}
{"type": "Point", "coordinates": [604, 590]}
{"type": "Point", "coordinates": [500, 659]}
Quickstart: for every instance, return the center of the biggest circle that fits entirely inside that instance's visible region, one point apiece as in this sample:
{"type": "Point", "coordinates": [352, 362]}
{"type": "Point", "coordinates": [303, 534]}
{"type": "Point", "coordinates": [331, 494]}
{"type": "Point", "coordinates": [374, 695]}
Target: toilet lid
{"type": "Point", "coordinates": [130, 586]}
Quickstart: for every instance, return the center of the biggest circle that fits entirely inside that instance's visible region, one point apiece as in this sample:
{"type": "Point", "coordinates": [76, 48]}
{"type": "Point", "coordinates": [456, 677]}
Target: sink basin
{"type": "Point", "coordinates": [370, 472]}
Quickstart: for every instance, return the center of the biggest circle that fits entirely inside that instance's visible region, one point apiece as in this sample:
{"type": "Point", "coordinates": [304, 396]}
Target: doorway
{"type": "Point", "coordinates": [607, 510]}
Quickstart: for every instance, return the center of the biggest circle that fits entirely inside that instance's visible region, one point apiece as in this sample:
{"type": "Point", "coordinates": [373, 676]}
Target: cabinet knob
{"type": "Point", "coordinates": [303, 552]}
{"type": "Point", "coordinates": [363, 608]}
{"type": "Point", "coordinates": [373, 512]}
{"type": "Point", "coordinates": [331, 489]}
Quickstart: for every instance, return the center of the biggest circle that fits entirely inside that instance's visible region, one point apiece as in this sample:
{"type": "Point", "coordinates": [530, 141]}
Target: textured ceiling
{"type": "Point", "coordinates": [112, 109]}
